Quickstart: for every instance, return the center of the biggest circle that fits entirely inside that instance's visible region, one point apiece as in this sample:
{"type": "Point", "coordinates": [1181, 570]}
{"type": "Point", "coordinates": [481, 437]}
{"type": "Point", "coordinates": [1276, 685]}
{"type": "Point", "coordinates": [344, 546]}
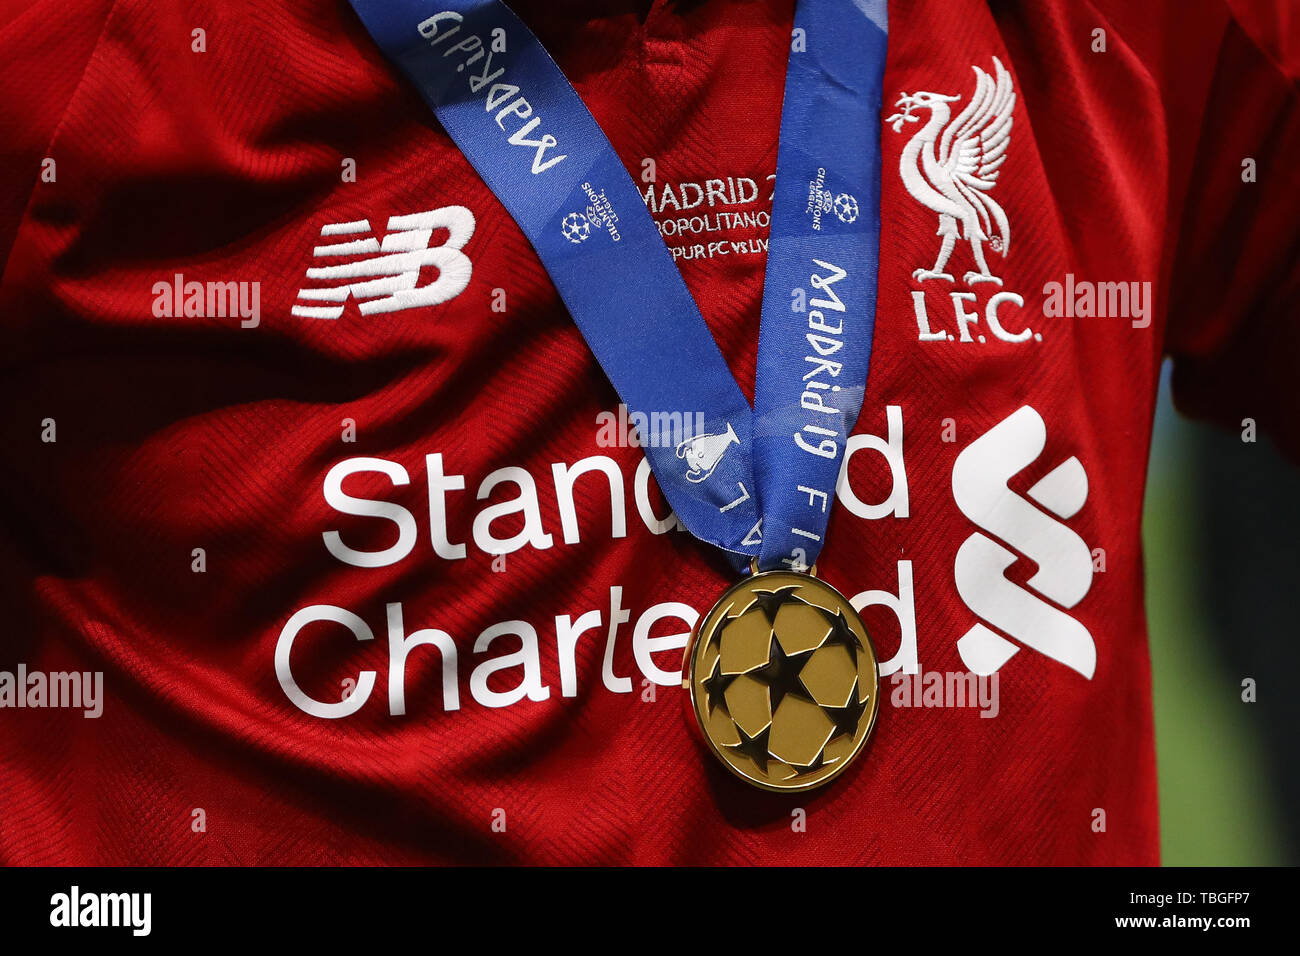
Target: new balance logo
{"type": "Point", "coordinates": [979, 486]}
{"type": "Point", "coordinates": [384, 276]}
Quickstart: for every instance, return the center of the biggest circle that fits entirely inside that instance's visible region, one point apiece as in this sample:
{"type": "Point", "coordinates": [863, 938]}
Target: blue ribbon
{"type": "Point", "coordinates": [520, 123]}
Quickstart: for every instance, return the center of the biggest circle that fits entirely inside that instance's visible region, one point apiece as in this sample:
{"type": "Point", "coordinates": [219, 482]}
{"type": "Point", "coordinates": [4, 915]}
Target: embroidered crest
{"type": "Point", "coordinates": [950, 166]}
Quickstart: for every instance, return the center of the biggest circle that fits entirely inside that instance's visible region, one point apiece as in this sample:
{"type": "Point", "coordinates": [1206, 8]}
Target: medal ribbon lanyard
{"type": "Point", "coordinates": [759, 482]}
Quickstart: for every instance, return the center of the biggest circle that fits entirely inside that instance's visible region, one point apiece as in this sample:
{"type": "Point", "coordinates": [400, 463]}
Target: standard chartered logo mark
{"type": "Point", "coordinates": [979, 486]}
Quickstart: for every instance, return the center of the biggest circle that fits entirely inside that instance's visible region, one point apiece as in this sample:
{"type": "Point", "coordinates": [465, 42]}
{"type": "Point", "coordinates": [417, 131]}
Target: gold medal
{"type": "Point", "coordinates": [783, 680]}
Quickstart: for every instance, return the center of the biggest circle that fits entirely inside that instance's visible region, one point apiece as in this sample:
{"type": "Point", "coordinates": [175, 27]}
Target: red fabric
{"type": "Point", "coordinates": [178, 433]}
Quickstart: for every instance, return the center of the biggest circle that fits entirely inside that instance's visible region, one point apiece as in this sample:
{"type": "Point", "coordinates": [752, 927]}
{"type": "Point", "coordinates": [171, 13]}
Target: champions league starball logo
{"type": "Point", "coordinates": [599, 214]}
{"type": "Point", "coordinates": [822, 200]}
{"type": "Point", "coordinates": [783, 678]}
{"type": "Point", "coordinates": [575, 227]}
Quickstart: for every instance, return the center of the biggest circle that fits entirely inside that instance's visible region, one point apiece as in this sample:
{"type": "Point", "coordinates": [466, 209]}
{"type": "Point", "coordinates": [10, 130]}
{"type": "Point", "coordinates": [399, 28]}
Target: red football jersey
{"type": "Point", "coordinates": [297, 570]}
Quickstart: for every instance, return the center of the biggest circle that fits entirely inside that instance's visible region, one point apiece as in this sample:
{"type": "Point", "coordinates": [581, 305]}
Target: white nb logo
{"type": "Point", "coordinates": [387, 279]}
{"type": "Point", "coordinates": [979, 486]}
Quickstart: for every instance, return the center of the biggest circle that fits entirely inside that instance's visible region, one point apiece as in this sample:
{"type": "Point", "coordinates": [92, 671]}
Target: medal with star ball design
{"type": "Point", "coordinates": [783, 680]}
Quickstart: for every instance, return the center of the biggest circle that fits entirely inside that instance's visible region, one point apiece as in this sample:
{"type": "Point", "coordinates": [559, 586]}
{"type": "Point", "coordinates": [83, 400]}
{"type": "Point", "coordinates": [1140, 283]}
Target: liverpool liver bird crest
{"type": "Point", "coordinates": [952, 166]}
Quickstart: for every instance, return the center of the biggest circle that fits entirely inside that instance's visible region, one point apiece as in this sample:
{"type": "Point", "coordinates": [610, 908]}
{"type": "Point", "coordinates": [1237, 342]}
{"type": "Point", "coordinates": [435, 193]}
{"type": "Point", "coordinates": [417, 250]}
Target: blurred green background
{"type": "Point", "coordinates": [1220, 531]}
